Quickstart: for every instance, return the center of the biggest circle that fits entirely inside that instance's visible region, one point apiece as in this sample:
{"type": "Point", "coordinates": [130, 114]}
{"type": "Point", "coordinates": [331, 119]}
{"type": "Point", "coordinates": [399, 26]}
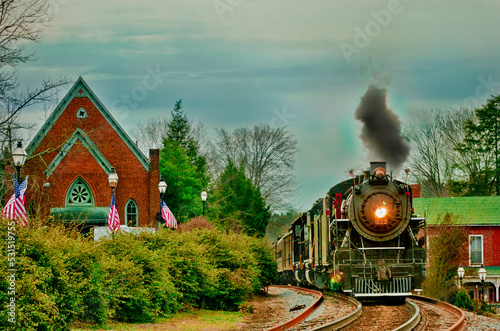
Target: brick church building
{"type": "Point", "coordinates": [70, 158]}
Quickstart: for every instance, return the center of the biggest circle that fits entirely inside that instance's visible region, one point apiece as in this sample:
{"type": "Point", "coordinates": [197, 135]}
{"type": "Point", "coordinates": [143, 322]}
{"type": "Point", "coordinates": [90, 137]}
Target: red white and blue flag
{"type": "Point", "coordinates": [351, 173]}
{"type": "Point", "coordinates": [14, 208]}
{"type": "Point", "coordinates": [114, 218]}
{"type": "Point", "coordinates": [168, 216]}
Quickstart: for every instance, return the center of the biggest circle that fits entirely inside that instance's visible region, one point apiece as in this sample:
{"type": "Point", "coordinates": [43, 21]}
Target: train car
{"type": "Point", "coordinates": [283, 255]}
{"type": "Point", "coordinates": [361, 239]}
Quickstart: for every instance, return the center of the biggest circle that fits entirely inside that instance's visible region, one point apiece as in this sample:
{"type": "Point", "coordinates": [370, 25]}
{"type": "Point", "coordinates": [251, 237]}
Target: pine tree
{"type": "Point", "coordinates": [180, 132]}
{"type": "Point", "coordinates": [238, 203]}
{"type": "Point", "coordinates": [482, 143]}
{"type": "Point", "coordinates": [184, 186]}
{"type": "Point", "coordinates": [182, 166]}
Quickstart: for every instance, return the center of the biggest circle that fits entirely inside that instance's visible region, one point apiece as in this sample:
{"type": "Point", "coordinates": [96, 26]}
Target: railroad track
{"type": "Point", "coordinates": [304, 314]}
{"type": "Point", "coordinates": [437, 315]}
{"type": "Point", "coordinates": [418, 313]}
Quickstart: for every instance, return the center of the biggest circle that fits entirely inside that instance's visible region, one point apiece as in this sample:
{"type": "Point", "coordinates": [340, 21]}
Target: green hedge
{"type": "Point", "coordinates": [63, 277]}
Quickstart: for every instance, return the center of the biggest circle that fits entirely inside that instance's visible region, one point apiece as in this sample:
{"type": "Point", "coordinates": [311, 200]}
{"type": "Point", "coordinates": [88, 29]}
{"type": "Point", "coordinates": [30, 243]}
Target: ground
{"type": "Point", "coordinates": [253, 312]}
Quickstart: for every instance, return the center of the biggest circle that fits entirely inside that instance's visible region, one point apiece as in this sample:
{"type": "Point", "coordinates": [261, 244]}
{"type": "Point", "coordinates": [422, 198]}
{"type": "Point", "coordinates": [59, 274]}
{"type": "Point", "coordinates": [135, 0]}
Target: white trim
{"type": "Point", "coordinates": [482, 250]}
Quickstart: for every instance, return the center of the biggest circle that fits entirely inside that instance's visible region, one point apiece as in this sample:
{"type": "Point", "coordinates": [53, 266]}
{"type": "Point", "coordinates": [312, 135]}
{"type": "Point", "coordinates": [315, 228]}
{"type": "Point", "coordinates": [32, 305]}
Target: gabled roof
{"type": "Point", "coordinates": [87, 143]}
{"type": "Point", "coordinates": [468, 210]}
{"type": "Point", "coordinates": [81, 89]}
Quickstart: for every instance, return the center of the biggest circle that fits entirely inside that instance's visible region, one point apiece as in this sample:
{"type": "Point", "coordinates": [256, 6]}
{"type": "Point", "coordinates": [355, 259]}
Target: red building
{"type": "Point", "coordinates": [480, 217]}
{"type": "Point", "coordinates": [70, 158]}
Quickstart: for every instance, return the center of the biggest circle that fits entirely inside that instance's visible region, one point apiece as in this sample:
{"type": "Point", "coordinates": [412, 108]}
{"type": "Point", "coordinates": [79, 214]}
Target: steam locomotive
{"type": "Point", "coordinates": [361, 239]}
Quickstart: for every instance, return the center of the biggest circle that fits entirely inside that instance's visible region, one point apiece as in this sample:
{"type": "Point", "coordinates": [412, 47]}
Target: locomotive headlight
{"type": "Point", "coordinates": [381, 212]}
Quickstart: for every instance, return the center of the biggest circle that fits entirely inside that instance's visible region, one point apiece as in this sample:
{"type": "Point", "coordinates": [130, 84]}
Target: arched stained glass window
{"type": "Point", "coordinates": [79, 194]}
{"type": "Point", "coordinates": [131, 213]}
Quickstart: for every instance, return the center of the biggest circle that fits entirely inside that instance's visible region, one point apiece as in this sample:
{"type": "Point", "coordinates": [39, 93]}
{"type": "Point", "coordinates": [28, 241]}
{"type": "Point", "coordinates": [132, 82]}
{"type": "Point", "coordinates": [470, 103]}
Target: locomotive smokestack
{"type": "Point", "coordinates": [381, 132]}
{"type": "Point", "coordinates": [375, 165]}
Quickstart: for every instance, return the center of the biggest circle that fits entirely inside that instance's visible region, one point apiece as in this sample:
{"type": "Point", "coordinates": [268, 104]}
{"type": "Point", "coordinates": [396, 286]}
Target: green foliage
{"type": "Point", "coordinates": [63, 277]}
{"type": "Point", "coordinates": [485, 308]}
{"type": "Point", "coordinates": [279, 224]}
{"type": "Point", "coordinates": [181, 132]}
{"type": "Point", "coordinates": [444, 252]}
{"type": "Point", "coordinates": [184, 186]}
{"type": "Point", "coordinates": [238, 203]}
{"type": "Point", "coordinates": [463, 300]}
{"type": "Point", "coordinates": [482, 143]}
{"type": "Point", "coordinates": [183, 167]}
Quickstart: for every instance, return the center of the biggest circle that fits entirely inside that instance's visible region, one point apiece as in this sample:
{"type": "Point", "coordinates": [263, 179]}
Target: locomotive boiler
{"type": "Point", "coordinates": [361, 239]}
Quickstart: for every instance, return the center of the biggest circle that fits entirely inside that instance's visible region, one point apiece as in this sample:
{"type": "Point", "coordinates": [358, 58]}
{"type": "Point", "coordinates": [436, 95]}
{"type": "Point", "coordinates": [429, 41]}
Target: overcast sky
{"type": "Point", "coordinates": [304, 64]}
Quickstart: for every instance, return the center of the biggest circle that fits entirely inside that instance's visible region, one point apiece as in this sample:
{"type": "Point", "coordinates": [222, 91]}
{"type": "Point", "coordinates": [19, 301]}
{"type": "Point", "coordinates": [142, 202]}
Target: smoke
{"type": "Point", "coordinates": [381, 133]}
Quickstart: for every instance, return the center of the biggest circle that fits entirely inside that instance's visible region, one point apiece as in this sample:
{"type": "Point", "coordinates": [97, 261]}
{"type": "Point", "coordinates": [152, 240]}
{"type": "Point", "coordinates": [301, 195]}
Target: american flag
{"type": "Point", "coordinates": [114, 218]}
{"type": "Point", "coordinates": [168, 216]}
{"type": "Point", "coordinates": [14, 208]}
{"type": "Point", "coordinates": [351, 173]}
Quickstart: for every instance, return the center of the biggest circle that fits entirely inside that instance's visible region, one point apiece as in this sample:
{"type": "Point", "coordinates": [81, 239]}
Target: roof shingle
{"type": "Point", "coordinates": [468, 210]}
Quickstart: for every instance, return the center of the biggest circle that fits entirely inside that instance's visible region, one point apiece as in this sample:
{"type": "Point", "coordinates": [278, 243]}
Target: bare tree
{"type": "Point", "coordinates": [151, 134]}
{"type": "Point", "coordinates": [21, 21]}
{"type": "Point", "coordinates": [434, 135]}
{"type": "Point", "coordinates": [268, 156]}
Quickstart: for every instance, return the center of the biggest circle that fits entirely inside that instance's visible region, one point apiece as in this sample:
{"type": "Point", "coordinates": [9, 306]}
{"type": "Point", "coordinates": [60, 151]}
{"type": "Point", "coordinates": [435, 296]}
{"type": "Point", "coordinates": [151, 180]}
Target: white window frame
{"type": "Point", "coordinates": [482, 250]}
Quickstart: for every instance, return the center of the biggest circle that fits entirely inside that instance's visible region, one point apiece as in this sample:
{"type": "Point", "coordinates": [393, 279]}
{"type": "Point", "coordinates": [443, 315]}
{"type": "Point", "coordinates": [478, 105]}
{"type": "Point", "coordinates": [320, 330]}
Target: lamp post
{"type": "Point", "coordinates": [19, 157]}
{"type": "Point", "coordinates": [113, 182]}
{"type": "Point", "coordinates": [113, 179]}
{"type": "Point", "coordinates": [482, 276]}
{"type": "Point", "coordinates": [204, 199]}
{"type": "Point", "coordinates": [461, 273]}
{"type": "Point", "coordinates": [162, 186]}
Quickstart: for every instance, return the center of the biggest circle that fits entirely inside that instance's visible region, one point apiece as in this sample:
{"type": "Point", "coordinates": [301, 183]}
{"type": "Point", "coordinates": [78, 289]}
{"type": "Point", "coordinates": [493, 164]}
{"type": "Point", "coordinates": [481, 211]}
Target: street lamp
{"type": "Point", "coordinates": [162, 186]}
{"type": "Point", "coordinates": [19, 157]}
{"type": "Point", "coordinates": [204, 199]}
{"type": "Point", "coordinates": [461, 273]}
{"type": "Point", "coordinates": [113, 179]}
{"type": "Point", "coordinates": [482, 276]}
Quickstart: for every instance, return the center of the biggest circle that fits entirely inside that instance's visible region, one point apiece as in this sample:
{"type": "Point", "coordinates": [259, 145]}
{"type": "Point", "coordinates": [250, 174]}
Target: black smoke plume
{"type": "Point", "coordinates": [381, 133]}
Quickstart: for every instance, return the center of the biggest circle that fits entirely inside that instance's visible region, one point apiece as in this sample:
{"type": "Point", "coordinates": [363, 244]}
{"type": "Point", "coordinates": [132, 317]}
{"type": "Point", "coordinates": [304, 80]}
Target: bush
{"type": "Point", "coordinates": [63, 277]}
{"type": "Point", "coordinates": [463, 300]}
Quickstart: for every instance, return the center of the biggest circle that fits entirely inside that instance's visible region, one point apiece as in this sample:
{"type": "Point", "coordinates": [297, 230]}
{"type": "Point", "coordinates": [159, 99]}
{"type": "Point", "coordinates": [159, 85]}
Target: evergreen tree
{"type": "Point", "coordinates": [181, 132]}
{"type": "Point", "coordinates": [184, 186]}
{"type": "Point", "coordinates": [182, 166]}
{"type": "Point", "coordinates": [238, 203]}
{"type": "Point", "coordinates": [482, 143]}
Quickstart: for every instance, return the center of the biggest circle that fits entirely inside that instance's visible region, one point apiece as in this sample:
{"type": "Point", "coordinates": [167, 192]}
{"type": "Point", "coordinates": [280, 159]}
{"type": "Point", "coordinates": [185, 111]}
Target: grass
{"type": "Point", "coordinates": [192, 320]}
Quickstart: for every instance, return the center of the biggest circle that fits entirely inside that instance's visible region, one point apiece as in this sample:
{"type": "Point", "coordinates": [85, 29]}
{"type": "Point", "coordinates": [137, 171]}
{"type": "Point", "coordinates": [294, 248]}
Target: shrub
{"type": "Point", "coordinates": [63, 277]}
{"type": "Point", "coordinates": [445, 250]}
{"type": "Point", "coordinates": [463, 300]}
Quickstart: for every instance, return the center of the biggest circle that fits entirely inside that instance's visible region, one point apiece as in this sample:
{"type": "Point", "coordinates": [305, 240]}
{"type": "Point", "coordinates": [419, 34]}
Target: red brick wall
{"type": "Point", "coordinates": [134, 179]}
{"type": "Point", "coordinates": [491, 243]}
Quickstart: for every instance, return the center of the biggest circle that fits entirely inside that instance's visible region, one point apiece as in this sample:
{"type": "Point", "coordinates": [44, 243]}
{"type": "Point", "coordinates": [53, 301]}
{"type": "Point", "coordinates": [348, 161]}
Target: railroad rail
{"type": "Point", "coordinates": [303, 315]}
{"type": "Point", "coordinates": [413, 323]}
{"type": "Point", "coordinates": [457, 312]}
{"type": "Point", "coordinates": [346, 320]}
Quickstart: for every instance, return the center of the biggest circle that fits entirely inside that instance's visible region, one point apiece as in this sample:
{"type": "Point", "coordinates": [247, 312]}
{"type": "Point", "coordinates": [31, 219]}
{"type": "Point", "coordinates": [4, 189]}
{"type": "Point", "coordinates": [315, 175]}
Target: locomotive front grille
{"type": "Point", "coordinates": [369, 288]}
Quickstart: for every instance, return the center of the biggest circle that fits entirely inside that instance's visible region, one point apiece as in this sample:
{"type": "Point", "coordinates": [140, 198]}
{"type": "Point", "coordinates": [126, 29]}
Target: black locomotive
{"type": "Point", "coordinates": [361, 239]}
